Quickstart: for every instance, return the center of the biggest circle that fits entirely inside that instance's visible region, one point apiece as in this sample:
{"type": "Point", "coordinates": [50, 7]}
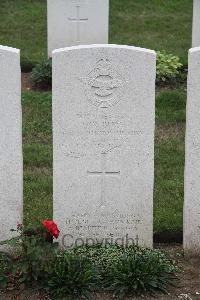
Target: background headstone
{"type": "Point", "coordinates": [77, 22]}
{"type": "Point", "coordinates": [103, 127]}
{"type": "Point", "coordinates": [196, 24]}
{"type": "Point", "coordinates": [192, 168]}
{"type": "Point", "coordinates": [11, 168]}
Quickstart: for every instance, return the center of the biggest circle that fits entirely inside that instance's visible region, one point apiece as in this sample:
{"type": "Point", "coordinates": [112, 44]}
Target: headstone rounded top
{"type": "Point", "coordinates": [193, 50]}
{"type": "Point", "coordinates": [10, 49]}
{"type": "Point", "coordinates": [99, 46]}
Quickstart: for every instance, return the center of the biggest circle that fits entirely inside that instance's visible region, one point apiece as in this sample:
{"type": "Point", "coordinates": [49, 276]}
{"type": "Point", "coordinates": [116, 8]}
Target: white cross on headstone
{"type": "Point", "coordinates": [103, 173]}
{"type": "Point", "coordinates": [78, 20]}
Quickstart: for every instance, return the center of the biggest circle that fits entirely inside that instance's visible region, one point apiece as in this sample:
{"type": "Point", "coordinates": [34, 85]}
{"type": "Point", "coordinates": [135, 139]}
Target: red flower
{"type": "Point", "coordinates": [51, 227]}
{"type": "Point", "coordinates": [19, 226]}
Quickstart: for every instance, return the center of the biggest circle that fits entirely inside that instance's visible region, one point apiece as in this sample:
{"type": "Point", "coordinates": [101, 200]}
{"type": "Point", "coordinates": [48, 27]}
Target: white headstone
{"type": "Point", "coordinates": [196, 24]}
{"type": "Point", "coordinates": [103, 127]}
{"type": "Point", "coordinates": [77, 22]}
{"type": "Point", "coordinates": [192, 168]}
{"type": "Point", "coordinates": [11, 169]}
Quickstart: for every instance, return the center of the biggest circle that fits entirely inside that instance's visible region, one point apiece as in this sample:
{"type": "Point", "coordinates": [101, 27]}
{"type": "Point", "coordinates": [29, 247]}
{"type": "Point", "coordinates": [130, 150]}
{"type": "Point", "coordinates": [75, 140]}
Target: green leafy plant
{"type": "Point", "coordinates": [36, 251]}
{"type": "Point", "coordinates": [168, 66]}
{"type": "Point", "coordinates": [41, 75]}
{"type": "Point", "coordinates": [5, 270]}
{"type": "Point", "coordinates": [131, 270]}
{"type": "Point", "coordinates": [143, 271]}
{"type": "Point", "coordinates": [80, 271]}
{"type": "Point", "coordinates": [168, 69]}
{"type": "Point", "coordinates": [72, 275]}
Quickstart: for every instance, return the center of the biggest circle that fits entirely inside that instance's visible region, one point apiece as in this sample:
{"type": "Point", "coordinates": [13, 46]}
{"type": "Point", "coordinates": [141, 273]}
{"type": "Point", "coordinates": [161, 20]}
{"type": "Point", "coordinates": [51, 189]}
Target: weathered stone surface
{"type": "Point", "coordinates": [196, 24]}
{"type": "Point", "coordinates": [192, 168]}
{"type": "Point", "coordinates": [11, 169]}
{"type": "Point", "coordinates": [77, 22]}
{"type": "Point", "coordinates": [103, 128]}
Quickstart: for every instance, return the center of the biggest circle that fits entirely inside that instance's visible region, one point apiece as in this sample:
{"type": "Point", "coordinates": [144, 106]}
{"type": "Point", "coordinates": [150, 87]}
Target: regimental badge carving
{"type": "Point", "coordinates": [103, 85]}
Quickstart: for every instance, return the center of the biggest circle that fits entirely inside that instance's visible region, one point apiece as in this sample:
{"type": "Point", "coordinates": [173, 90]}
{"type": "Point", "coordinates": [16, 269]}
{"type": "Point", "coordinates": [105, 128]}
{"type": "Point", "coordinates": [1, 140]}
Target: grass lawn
{"type": "Point", "coordinates": [169, 158]}
{"type": "Point", "coordinates": [155, 24]}
{"type": "Point", "coordinates": [37, 148]}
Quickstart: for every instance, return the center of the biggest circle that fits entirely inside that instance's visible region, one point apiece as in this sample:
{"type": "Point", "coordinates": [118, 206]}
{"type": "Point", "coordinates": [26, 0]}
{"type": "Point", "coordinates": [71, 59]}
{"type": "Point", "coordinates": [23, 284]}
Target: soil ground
{"type": "Point", "coordinates": [187, 286]}
{"type": "Point", "coordinates": [26, 85]}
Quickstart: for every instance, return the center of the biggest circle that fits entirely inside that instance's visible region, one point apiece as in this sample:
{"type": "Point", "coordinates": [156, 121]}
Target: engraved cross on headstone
{"type": "Point", "coordinates": [104, 174]}
{"type": "Point", "coordinates": [78, 20]}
